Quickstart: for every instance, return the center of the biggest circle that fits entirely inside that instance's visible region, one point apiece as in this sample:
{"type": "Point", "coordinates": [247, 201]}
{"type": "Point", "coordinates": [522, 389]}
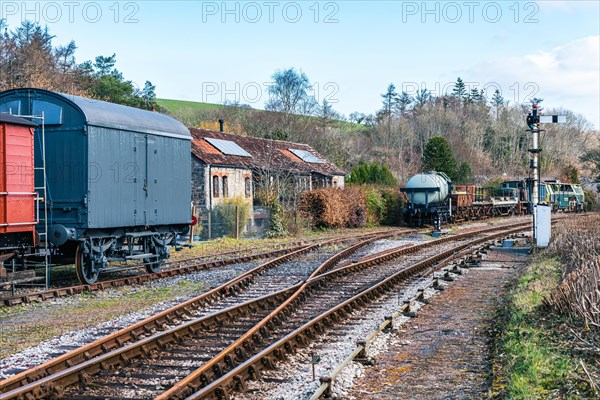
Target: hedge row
{"type": "Point", "coordinates": [352, 207]}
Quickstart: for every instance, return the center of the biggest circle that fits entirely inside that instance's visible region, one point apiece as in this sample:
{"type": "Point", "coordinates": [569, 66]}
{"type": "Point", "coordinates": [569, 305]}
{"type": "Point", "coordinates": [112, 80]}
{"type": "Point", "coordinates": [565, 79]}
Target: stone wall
{"type": "Point", "coordinates": [202, 179]}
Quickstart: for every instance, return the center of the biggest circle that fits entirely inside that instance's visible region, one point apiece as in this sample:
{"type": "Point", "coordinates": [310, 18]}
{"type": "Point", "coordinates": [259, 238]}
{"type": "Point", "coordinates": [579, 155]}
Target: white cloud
{"type": "Point", "coordinates": [564, 76]}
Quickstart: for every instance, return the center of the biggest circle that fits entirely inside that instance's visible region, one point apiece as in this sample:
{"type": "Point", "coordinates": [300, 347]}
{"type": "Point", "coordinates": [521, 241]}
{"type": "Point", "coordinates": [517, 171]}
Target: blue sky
{"type": "Point", "coordinates": [214, 50]}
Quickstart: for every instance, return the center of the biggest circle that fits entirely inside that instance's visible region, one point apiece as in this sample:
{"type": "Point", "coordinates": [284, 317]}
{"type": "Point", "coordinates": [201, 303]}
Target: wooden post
{"type": "Point", "coordinates": [209, 224]}
{"type": "Point", "coordinates": [237, 222]}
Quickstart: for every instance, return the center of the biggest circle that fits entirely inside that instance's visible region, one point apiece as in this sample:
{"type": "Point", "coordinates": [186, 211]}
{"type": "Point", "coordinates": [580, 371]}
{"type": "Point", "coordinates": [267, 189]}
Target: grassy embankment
{"type": "Point", "coordinates": [175, 106]}
{"type": "Point", "coordinates": [549, 346]}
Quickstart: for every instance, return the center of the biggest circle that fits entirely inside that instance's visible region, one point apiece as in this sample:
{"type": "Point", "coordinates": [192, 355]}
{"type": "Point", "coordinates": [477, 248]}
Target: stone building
{"type": "Point", "coordinates": [226, 165]}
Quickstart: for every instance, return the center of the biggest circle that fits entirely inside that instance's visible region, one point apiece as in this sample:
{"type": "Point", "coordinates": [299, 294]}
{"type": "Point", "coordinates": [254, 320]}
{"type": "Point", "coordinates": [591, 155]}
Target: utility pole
{"type": "Point", "coordinates": [533, 121]}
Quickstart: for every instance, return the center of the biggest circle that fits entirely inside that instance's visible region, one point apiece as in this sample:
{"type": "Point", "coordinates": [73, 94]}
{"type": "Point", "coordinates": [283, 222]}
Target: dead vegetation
{"type": "Point", "coordinates": [578, 294]}
{"type": "Point", "coordinates": [549, 341]}
{"type": "Point", "coordinates": [335, 208]}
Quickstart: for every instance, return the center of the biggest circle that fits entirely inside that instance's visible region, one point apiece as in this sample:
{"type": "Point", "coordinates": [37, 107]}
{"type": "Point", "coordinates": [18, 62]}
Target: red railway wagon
{"type": "Point", "coordinates": [17, 194]}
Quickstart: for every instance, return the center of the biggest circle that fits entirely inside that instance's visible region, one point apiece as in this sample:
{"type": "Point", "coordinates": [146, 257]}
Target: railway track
{"type": "Point", "coordinates": [266, 278]}
{"type": "Point", "coordinates": [311, 309]}
{"type": "Point", "coordinates": [173, 268]}
{"type": "Point", "coordinates": [215, 353]}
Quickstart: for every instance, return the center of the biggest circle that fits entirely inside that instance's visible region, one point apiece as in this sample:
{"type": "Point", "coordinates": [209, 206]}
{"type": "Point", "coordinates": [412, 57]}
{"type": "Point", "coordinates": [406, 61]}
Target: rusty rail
{"type": "Point", "coordinates": [250, 369]}
{"type": "Point", "coordinates": [25, 382]}
{"type": "Point", "coordinates": [208, 373]}
{"type": "Point", "coordinates": [54, 375]}
{"type": "Point", "coordinates": [460, 260]}
{"type": "Point", "coordinates": [194, 266]}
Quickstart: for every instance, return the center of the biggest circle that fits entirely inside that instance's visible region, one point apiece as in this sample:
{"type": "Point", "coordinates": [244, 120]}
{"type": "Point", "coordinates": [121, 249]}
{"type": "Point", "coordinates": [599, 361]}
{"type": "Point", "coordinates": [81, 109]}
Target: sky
{"type": "Point", "coordinates": [213, 51]}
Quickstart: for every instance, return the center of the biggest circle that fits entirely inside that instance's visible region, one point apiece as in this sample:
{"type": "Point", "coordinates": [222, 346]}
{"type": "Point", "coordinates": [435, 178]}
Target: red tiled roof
{"type": "Point", "coordinates": [266, 154]}
{"type": "Point", "coordinates": [205, 147]}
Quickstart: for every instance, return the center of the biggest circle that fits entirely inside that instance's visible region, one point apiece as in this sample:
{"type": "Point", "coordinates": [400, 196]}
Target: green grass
{"type": "Point", "coordinates": [177, 107]}
{"type": "Point", "coordinates": [174, 106]}
{"type": "Point", "coordinates": [534, 350]}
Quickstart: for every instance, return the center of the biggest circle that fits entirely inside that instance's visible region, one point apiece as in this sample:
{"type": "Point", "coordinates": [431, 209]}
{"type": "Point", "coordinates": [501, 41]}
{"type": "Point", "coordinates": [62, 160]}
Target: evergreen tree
{"type": "Point", "coordinates": [29, 59]}
{"type": "Point", "coordinates": [460, 89]}
{"type": "Point", "coordinates": [474, 95]}
{"type": "Point", "coordinates": [403, 102]}
{"type": "Point", "coordinates": [148, 95]}
{"type": "Point", "coordinates": [536, 100]}
{"type": "Point", "coordinates": [422, 97]}
{"type": "Point", "coordinates": [464, 174]}
{"type": "Point", "coordinates": [105, 65]}
{"type": "Point", "coordinates": [390, 98]}
{"type": "Point", "coordinates": [437, 156]}
{"type": "Point", "coordinates": [372, 173]}
{"type": "Point", "coordinates": [498, 102]}
{"type": "Point", "coordinates": [497, 99]}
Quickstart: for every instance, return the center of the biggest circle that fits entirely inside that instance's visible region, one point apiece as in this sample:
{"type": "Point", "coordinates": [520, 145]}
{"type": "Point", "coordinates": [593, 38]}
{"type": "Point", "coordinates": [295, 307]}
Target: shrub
{"type": "Point", "coordinates": [393, 200]}
{"type": "Point", "coordinates": [277, 228]}
{"type": "Point", "coordinates": [492, 187]}
{"type": "Point", "coordinates": [234, 210]}
{"type": "Point", "coordinates": [371, 173]}
{"type": "Point", "coordinates": [577, 295]}
{"type": "Point", "coordinates": [352, 207]}
{"type": "Point", "coordinates": [334, 208]}
{"type": "Point", "coordinates": [591, 201]}
{"type": "Point", "coordinates": [375, 206]}
{"type": "Point", "coordinates": [356, 202]}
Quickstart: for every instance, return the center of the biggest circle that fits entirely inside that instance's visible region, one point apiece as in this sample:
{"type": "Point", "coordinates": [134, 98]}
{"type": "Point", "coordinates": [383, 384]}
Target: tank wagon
{"type": "Point", "coordinates": [428, 199]}
{"type": "Point", "coordinates": [118, 178]}
{"type": "Point", "coordinates": [17, 194]}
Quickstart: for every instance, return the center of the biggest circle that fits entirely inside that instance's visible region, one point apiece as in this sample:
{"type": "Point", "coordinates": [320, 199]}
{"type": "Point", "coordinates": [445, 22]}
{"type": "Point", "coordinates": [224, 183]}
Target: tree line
{"type": "Point", "coordinates": [484, 135]}
{"type": "Point", "coordinates": [29, 58]}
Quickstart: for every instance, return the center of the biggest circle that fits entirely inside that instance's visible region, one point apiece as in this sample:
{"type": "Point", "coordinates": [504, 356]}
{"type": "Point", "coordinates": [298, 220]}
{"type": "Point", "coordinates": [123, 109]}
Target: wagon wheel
{"type": "Point", "coordinates": [84, 267]}
{"type": "Point", "coordinates": [154, 264]}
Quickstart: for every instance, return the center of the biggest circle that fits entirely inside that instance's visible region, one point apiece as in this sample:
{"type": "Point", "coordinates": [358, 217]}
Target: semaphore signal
{"type": "Point", "coordinates": [533, 121]}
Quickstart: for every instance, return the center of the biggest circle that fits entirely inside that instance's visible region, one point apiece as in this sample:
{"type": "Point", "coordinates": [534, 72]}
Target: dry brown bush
{"type": "Point", "coordinates": [577, 242]}
{"type": "Point", "coordinates": [334, 208]}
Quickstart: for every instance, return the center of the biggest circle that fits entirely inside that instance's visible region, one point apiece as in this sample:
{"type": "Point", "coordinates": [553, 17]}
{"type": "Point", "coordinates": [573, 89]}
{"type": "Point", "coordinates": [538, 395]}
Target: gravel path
{"type": "Point", "coordinates": [444, 353]}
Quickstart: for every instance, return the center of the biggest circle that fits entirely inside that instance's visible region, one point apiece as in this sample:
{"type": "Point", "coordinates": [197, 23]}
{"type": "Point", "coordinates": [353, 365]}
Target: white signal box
{"type": "Point", "coordinates": [543, 227]}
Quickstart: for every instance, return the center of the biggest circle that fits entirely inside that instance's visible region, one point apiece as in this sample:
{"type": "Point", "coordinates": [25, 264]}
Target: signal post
{"type": "Point", "coordinates": [541, 216]}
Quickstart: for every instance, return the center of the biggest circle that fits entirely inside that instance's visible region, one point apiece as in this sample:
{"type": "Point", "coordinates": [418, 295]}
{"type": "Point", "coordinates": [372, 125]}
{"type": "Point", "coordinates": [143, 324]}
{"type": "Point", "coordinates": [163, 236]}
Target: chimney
{"type": "Point", "coordinates": [221, 123]}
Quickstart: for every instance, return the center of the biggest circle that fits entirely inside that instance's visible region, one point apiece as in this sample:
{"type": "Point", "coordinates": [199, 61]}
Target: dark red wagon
{"type": "Point", "coordinates": [17, 194]}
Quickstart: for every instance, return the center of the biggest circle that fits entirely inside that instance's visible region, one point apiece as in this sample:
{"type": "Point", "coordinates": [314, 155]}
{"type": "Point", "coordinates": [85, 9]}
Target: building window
{"type": "Point", "coordinates": [216, 190]}
{"type": "Point", "coordinates": [248, 187]}
{"type": "Point", "coordinates": [302, 183]}
{"type": "Point", "coordinates": [225, 187]}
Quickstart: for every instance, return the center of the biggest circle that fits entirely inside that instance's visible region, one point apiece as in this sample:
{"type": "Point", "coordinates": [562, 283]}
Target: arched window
{"type": "Point", "coordinates": [225, 187]}
{"type": "Point", "coordinates": [216, 189]}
